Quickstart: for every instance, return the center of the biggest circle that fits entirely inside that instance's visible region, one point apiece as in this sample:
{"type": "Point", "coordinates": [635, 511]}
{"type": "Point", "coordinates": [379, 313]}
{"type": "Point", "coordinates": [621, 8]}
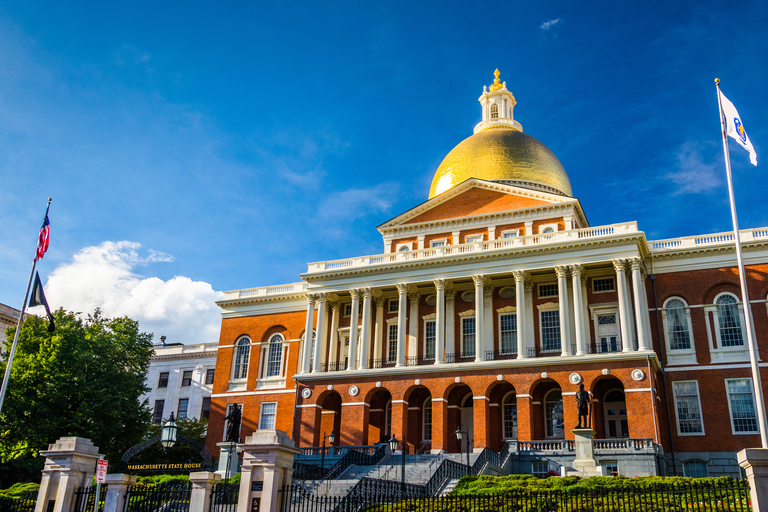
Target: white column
{"type": "Point", "coordinates": [379, 327]}
{"type": "Point", "coordinates": [353, 326]}
{"type": "Point", "coordinates": [488, 314]}
{"type": "Point", "coordinates": [420, 239]}
{"type": "Point", "coordinates": [562, 296]}
{"type": "Point", "coordinates": [491, 232]}
{"type": "Point", "coordinates": [621, 286]}
{"type": "Point", "coordinates": [305, 355]}
{"type": "Point", "coordinates": [317, 366]}
{"type": "Point", "coordinates": [528, 228]}
{"type": "Point", "coordinates": [522, 351]}
{"type": "Point", "coordinates": [530, 341]}
{"type": "Point", "coordinates": [479, 317]}
{"type": "Point", "coordinates": [455, 237]}
{"type": "Point", "coordinates": [413, 326]}
{"type": "Point", "coordinates": [365, 336]}
{"type": "Point", "coordinates": [333, 355]}
{"type": "Point", "coordinates": [402, 293]}
{"type": "Point", "coordinates": [641, 307]}
{"type": "Point", "coordinates": [646, 313]}
{"type": "Point", "coordinates": [387, 245]}
{"type": "Point", "coordinates": [578, 310]}
{"type": "Point", "coordinates": [450, 324]}
{"type": "Point", "coordinates": [439, 321]}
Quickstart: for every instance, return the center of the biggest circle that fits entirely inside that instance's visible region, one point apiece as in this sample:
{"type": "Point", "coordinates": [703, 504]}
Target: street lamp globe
{"type": "Point", "coordinates": [331, 438]}
{"type": "Point", "coordinates": [459, 433]}
{"type": "Point", "coordinates": [168, 433]}
{"type": "Point", "coordinates": [393, 443]}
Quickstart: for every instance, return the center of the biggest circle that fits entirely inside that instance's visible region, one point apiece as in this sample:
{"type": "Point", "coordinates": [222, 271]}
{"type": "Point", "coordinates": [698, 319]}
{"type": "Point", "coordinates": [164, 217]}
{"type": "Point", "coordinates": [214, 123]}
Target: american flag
{"type": "Point", "coordinates": [42, 239]}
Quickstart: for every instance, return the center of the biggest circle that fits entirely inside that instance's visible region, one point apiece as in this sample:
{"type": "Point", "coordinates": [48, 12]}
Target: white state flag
{"type": "Point", "coordinates": [736, 128]}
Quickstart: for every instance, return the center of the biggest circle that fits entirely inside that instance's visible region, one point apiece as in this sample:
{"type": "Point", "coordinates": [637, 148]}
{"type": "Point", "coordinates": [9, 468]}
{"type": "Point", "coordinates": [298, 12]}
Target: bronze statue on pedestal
{"type": "Point", "coordinates": [584, 402]}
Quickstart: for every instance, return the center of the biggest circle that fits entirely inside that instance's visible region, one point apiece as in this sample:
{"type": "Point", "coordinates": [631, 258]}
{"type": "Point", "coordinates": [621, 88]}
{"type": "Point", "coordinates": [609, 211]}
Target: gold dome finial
{"type": "Point", "coordinates": [497, 85]}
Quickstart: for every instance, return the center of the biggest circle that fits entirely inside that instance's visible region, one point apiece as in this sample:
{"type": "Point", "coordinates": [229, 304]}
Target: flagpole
{"type": "Point", "coordinates": [756, 381]}
{"type": "Point", "coordinates": [18, 326]}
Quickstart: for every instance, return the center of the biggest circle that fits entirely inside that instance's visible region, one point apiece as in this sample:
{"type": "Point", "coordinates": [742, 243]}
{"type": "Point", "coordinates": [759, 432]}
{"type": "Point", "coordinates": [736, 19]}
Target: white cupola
{"type": "Point", "coordinates": [498, 104]}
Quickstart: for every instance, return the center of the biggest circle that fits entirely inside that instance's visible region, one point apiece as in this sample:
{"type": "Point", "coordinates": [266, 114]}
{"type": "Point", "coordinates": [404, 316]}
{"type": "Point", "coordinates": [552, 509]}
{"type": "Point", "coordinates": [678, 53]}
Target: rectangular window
{"type": "Point", "coordinates": [162, 382]}
{"type": "Point", "coordinates": [347, 310]}
{"type": "Point", "coordinates": [186, 378]}
{"type": "Point", "coordinates": [183, 406]}
{"type": "Point", "coordinates": [510, 233]}
{"type": "Point", "coordinates": [429, 339]}
{"type": "Point", "coordinates": [392, 343]}
{"type": "Point", "coordinates": [470, 239]}
{"type": "Point", "coordinates": [268, 414]}
{"type": "Point", "coordinates": [209, 373]}
{"type": "Point", "coordinates": [205, 411]}
{"type": "Point", "coordinates": [468, 336]}
{"type": "Point", "coordinates": [394, 305]}
{"type": "Point", "coordinates": [688, 407]}
{"type": "Point", "coordinates": [439, 243]}
{"type": "Point", "coordinates": [540, 469]}
{"type": "Point", "coordinates": [547, 290]}
{"type": "Point", "coordinates": [550, 331]}
{"type": "Point", "coordinates": [603, 284]}
{"type": "Point", "coordinates": [157, 416]}
{"type": "Point", "coordinates": [427, 434]}
{"type": "Point", "coordinates": [742, 405]}
{"type": "Point", "coordinates": [508, 332]}
{"type": "Point", "coordinates": [610, 468]}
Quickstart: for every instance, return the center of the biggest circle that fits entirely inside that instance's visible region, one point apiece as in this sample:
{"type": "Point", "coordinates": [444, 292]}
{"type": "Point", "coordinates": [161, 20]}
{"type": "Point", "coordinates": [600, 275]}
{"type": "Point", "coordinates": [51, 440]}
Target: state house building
{"type": "Point", "coordinates": [488, 306]}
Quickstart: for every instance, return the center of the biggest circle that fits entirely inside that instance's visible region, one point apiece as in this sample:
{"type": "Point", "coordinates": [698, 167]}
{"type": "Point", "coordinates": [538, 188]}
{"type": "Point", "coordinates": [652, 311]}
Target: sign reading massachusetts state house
{"type": "Point", "coordinates": [161, 466]}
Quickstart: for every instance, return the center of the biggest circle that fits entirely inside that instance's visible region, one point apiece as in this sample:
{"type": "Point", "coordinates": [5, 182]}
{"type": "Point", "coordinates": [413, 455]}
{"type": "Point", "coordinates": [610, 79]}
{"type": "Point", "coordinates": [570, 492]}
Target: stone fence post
{"type": "Point", "coordinates": [755, 463]}
{"type": "Point", "coordinates": [70, 463]}
{"type": "Point", "coordinates": [202, 486]}
{"type": "Point", "coordinates": [267, 466]}
{"type": "Point", "coordinates": [117, 490]}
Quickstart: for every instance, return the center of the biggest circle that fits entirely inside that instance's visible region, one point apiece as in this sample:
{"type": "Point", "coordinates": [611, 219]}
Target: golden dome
{"type": "Point", "coordinates": [502, 154]}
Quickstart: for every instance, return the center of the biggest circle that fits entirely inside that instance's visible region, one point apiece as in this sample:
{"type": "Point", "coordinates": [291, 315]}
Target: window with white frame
{"type": "Point", "coordinates": [729, 321]}
{"type": "Point", "coordinates": [405, 247]}
{"type": "Point", "coordinates": [553, 414]}
{"type": "Point", "coordinates": [441, 242]}
{"type": "Point", "coordinates": [508, 333]}
{"type": "Point", "coordinates": [275, 355]}
{"type": "Point", "coordinates": [388, 419]}
{"type": "Point", "coordinates": [242, 354]}
{"type": "Point", "coordinates": [688, 407]}
{"type": "Point", "coordinates": [494, 111]}
{"type": "Point", "coordinates": [603, 284]}
{"type": "Point", "coordinates": [548, 228]}
{"type": "Point", "coordinates": [741, 403]}
{"type": "Point", "coordinates": [312, 350]}
{"type": "Point", "coordinates": [510, 233]}
{"type": "Point", "coordinates": [540, 469]}
{"type": "Point", "coordinates": [181, 412]}
{"type": "Point", "coordinates": [393, 305]}
{"type": "Point", "coordinates": [509, 415]}
{"type": "Point", "coordinates": [548, 290]}
{"type": "Point", "coordinates": [610, 467]}
{"type": "Point", "coordinates": [427, 429]}
{"type": "Point", "coordinates": [429, 339]}
{"type": "Point", "coordinates": [550, 330]}
{"type": "Point", "coordinates": [267, 415]}
{"type": "Point", "coordinates": [347, 310]}
{"type": "Point", "coordinates": [695, 469]}
{"type": "Point", "coordinates": [677, 324]}
{"type": "Point", "coordinates": [392, 343]}
{"type": "Point", "coordinates": [470, 239]}
{"type": "Point", "coordinates": [468, 336]}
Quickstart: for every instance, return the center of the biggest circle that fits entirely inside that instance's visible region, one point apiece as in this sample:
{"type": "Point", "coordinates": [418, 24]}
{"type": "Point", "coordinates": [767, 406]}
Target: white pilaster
{"type": "Point", "coordinates": [413, 325]}
{"type": "Point", "coordinates": [621, 287]}
{"type": "Point", "coordinates": [479, 281]}
{"type": "Point", "coordinates": [353, 326]}
{"type": "Point", "coordinates": [439, 321]}
{"type": "Point", "coordinates": [379, 327]}
{"type": "Point", "coordinates": [317, 365]}
{"type": "Point", "coordinates": [491, 232]}
{"type": "Point", "coordinates": [333, 354]}
{"type": "Point", "coordinates": [450, 323]}
{"type": "Point", "coordinates": [420, 238]}
{"type": "Point", "coordinates": [641, 307]}
{"type": "Point", "coordinates": [365, 335]}
{"type": "Point", "coordinates": [455, 237]}
{"type": "Point", "coordinates": [402, 291]}
{"type": "Point", "coordinates": [530, 341]}
{"type": "Point", "coordinates": [528, 228]}
{"type": "Point", "coordinates": [305, 354]}
{"type": "Point", "coordinates": [562, 295]}
{"type": "Point", "coordinates": [488, 315]}
{"type": "Point", "coordinates": [522, 352]}
{"type": "Point", "coordinates": [578, 310]}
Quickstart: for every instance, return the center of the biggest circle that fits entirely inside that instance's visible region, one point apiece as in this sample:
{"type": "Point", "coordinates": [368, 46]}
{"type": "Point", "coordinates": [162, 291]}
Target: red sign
{"type": "Point", "coordinates": [101, 471]}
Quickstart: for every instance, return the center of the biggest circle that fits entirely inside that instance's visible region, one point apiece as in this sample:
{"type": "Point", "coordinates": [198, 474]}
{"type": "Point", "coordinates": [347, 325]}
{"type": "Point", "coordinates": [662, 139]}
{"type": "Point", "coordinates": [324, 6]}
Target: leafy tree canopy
{"type": "Point", "coordinates": [83, 380]}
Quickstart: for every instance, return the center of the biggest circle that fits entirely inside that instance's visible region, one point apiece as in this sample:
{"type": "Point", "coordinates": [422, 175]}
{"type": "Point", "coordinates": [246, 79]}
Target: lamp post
{"type": "Point", "coordinates": [168, 433]}
{"type": "Point", "coordinates": [331, 438]}
{"type": "Point", "coordinates": [393, 446]}
{"type": "Point", "coordinates": [459, 434]}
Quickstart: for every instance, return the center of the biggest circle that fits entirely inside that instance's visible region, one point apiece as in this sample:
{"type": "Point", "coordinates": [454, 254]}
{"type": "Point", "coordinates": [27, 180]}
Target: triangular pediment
{"type": "Point", "coordinates": [476, 198]}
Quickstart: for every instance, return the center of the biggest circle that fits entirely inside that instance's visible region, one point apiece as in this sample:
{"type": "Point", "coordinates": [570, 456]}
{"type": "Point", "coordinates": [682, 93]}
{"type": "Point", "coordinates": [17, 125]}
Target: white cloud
{"type": "Point", "coordinates": [693, 175]}
{"type": "Point", "coordinates": [549, 24]}
{"type": "Point", "coordinates": [104, 276]}
{"type": "Point", "coordinates": [354, 203]}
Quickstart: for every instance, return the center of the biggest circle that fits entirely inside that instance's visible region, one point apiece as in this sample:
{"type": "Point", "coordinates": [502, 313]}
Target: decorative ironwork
{"type": "Point", "coordinates": [197, 446]}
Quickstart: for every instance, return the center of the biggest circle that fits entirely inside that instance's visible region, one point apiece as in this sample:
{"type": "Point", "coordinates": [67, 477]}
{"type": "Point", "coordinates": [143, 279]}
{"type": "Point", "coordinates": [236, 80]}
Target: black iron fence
{"type": "Point", "coordinates": [158, 498]}
{"type": "Point", "coordinates": [85, 498]}
{"type": "Point", "coordinates": [224, 497]}
{"type": "Point", "coordinates": [19, 503]}
{"type": "Point", "coordinates": [688, 497]}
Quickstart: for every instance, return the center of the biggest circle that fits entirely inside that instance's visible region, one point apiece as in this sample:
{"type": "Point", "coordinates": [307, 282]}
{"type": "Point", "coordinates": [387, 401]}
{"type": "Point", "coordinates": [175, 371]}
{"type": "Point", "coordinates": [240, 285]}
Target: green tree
{"type": "Point", "coordinates": [83, 380]}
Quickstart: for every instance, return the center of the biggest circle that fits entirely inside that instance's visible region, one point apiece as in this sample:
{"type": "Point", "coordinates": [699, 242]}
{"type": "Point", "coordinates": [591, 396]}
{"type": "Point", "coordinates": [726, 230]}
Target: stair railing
{"type": "Point", "coordinates": [357, 458]}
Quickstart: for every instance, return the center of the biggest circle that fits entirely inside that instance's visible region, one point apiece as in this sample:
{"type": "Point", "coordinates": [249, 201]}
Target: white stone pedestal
{"type": "Point", "coordinates": [227, 458]}
{"type": "Point", "coordinates": [70, 463]}
{"type": "Point", "coordinates": [584, 465]}
{"type": "Point", "coordinates": [755, 464]}
{"type": "Point", "coordinates": [268, 459]}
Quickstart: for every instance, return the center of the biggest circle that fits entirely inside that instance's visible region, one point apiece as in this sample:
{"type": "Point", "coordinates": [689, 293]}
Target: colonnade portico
{"type": "Point", "coordinates": [368, 341]}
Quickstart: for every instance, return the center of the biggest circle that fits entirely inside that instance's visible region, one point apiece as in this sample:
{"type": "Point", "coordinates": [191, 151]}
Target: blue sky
{"type": "Point", "coordinates": [204, 146]}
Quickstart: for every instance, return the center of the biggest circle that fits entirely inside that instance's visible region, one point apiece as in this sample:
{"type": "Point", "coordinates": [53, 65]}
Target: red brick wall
{"type": "Point", "coordinates": [476, 201]}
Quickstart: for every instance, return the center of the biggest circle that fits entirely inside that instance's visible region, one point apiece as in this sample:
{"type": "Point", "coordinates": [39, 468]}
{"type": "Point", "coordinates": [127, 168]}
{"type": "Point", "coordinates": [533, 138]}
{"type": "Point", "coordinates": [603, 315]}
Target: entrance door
{"type": "Point", "coordinates": [615, 414]}
{"type": "Point", "coordinates": [468, 423]}
{"type": "Point", "coordinates": [607, 333]}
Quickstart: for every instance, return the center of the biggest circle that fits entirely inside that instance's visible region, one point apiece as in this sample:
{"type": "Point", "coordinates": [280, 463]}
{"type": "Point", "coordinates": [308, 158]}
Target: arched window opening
{"type": "Point", "coordinates": [729, 321]}
{"type": "Point", "coordinates": [275, 355]}
{"type": "Point", "coordinates": [388, 420]}
{"type": "Point", "coordinates": [494, 111]}
{"type": "Point", "coordinates": [553, 414]}
{"type": "Point", "coordinates": [548, 230]}
{"type": "Point", "coordinates": [404, 248]}
{"type": "Point", "coordinates": [509, 416]}
{"type": "Point", "coordinates": [242, 354]}
{"type": "Point", "coordinates": [427, 431]}
{"type": "Point", "coordinates": [677, 325]}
